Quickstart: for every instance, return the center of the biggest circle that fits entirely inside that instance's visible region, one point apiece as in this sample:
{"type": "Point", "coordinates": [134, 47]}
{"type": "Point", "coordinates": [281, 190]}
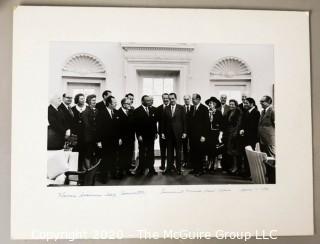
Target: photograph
{"type": "Point", "coordinates": [160, 123]}
{"type": "Point", "coordinates": [135, 113]}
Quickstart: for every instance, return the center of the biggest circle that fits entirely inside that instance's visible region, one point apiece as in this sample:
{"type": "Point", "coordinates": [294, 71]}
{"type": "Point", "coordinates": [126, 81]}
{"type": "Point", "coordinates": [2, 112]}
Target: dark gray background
{"type": "Point", "coordinates": [6, 14]}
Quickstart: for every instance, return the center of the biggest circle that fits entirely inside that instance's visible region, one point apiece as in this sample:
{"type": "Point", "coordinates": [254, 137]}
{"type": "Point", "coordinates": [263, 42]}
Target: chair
{"type": "Point", "coordinates": [85, 177]}
{"type": "Point", "coordinates": [256, 164]}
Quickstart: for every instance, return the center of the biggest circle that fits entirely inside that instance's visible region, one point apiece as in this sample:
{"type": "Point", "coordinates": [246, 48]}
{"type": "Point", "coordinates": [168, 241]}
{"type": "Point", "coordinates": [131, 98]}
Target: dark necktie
{"type": "Point", "coordinates": [112, 114]}
{"type": "Point", "coordinates": [70, 111]}
{"type": "Point", "coordinates": [147, 110]}
{"type": "Point", "coordinates": [188, 108]}
{"type": "Point", "coordinates": [194, 111]}
{"type": "Point", "coordinates": [172, 110]}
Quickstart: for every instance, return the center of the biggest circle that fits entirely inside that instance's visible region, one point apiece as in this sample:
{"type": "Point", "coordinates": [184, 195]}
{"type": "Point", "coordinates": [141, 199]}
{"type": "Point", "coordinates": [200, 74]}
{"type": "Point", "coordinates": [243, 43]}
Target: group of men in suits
{"type": "Point", "coordinates": [182, 131]}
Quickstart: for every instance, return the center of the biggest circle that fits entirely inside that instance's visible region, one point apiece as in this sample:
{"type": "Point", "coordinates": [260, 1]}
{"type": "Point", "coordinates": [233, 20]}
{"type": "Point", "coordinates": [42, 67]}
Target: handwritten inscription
{"type": "Point", "coordinates": [163, 191]}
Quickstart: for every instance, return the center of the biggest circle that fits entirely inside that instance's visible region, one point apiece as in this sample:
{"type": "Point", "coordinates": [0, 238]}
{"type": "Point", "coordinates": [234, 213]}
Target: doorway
{"type": "Point", "coordinates": [86, 86]}
{"type": "Point", "coordinates": [155, 83]}
{"type": "Point", "coordinates": [232, 89]}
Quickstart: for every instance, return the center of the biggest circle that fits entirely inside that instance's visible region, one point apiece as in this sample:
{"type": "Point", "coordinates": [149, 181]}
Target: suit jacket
{"type": "Point", "coordinates": [174, 124]}
{"type": "Point", "coordinates": [56, 129]}
{"type": "Point", "coordinates": [78, 128]}
{"type": "Point", "coordinates": [68, 117]}
{"type": "Point", "coordinates": [101, 106]}
{"type": "Point", "coordinates": [199, 122]}
{"type": "Point", "coordinates": [241, 107]}
{"type": "Point", "coordinates": [249, 123]}
{"type": "Point", "coordinates": [226, 110]}
{"type": "Point", "coordinates": [126, 127]}
{"type": "Point", "coordinates": [266, 127]}
{"type": "Point", "coordinates": [145, 126]}
{"type": "Point", "coordinates": [188, 115]}
{"type": "Point", "coordinates": [159, 116]}
{"type": "Point", "coordinates": [217, 121]}
{"type": "Point", "coordinates": [108, 128]}
{"type": "Point", "coordinates": [90, 124]}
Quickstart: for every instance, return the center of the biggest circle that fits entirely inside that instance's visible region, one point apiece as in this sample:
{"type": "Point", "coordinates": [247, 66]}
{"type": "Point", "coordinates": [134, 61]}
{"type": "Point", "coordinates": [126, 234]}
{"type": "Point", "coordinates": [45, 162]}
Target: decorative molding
{"type": "Point", "coordinates": [84, 65]}
{"type": "Point", "coordinates": [157, 52]}
{"type": "Point", "coordinates": [230, 68]}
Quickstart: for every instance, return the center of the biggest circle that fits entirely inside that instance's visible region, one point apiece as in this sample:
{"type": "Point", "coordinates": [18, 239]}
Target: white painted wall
{"type": "Point", "coordinates": [258, 57]}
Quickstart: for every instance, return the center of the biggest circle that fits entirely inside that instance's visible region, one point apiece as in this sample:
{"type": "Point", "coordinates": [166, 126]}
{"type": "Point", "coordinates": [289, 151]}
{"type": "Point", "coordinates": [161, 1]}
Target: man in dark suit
{"type": "Point", "coordinates": [250, 122]}
{"type": "Point", "coordinates": [57, 129]}
{"type": "Point", "coordinates": [174, 131]}
{"type": "Point", "coordinates": [185, 143]}
{"type": "Point", "coordinates": [102, 104]}
{"type": "Point", "coordinates": [249, 130]}
{"type": "Point", "coordinates": [145, 122]}
{"type": "Point", "coordinates": [126, 130]}
{"type": "Point", "coordinates": [109, 138]}
{"type": "Point", "coordinates": [130, 96]}
{"type": "Point", "coordinates": [224, 110]}
{"type": "Point", "coordinates": [65, 108]}
{"type": "Point", "coordinates": [197, 131]}
{"type": "Point", "coordinates": [162, 142]}
{"type": "Point", "coordinates": [241, 105]}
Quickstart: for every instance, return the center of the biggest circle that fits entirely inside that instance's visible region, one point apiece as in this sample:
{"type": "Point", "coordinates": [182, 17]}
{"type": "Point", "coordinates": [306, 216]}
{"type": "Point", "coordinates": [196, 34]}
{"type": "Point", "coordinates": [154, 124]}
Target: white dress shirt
{"type": "Point", "coordinates": [110, 112]}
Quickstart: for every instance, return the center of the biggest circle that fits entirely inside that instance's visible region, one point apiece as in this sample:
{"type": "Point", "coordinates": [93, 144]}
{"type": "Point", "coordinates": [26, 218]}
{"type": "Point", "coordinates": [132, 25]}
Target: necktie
{"type": "Point", "coordinates": [194, 110]}
{"type": "Point", "coordinates": [263, 112]}
{"type": "Point", "coordinates": [172, 110]}
{"type": "Point", "coordinates": [147, 110]}
{"type": "Point", "coordinates": [112, 114]}
{"type": "Point", "coordinates": [188, 108]}
{"type": "Point", "coordinates": [70, 111]}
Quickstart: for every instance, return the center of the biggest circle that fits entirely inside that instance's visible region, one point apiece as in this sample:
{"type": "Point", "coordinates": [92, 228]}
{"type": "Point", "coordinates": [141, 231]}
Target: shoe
{"type": "Point", "coordinates": [104, 181]}
{"type": "Point", "coordinates": [129, 173]}
{"type": "Point", "coordinates": [168, 171]}
{"type": "Point", "coordinates": [199, 174]}
{"type": "Point", "coordinates": [152, 173]}
{"type": "Point", "coordinates": [162, 167]}
{"type": "Point", "coordinates": [179, 172]}
{"type": "Point", "coordinates": [139, 173]}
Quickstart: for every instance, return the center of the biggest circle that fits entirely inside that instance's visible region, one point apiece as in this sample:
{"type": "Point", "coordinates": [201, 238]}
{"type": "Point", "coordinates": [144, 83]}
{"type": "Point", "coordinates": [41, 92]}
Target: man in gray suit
{"type": "Point", "coordinates": [266, 128]}
{"type": "Point", "coordinates": [174, 131]}
{"type": "Point", "coordinates": [224, 106]}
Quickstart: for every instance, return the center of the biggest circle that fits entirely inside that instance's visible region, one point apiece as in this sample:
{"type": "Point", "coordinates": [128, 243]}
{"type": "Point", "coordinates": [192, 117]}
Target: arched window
{"type": "Point", "coordinates": [231, 76]}
{"type": "Point", "coordinates": [83, 73]}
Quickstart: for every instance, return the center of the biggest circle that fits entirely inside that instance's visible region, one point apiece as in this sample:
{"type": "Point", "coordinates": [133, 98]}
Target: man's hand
{"type": "Point", "coordinates": [241, 132]}
{"type": "Point", "coordinates": [99, 144]}
{"type": "Point", "coordinates": [220, 137]}
{"type": "Point", "coordinates": [202, 139]}
{"type": "Point", "coordinates": [120, 142]}
{"type": "Point", "coordinates": [68, 133]}
{"type": "Point", "coordinates": [163, 136]}
{"type": "Point", "coordinates": [140, 138]}
{"type": "Point", "coordinates": [184, 136]}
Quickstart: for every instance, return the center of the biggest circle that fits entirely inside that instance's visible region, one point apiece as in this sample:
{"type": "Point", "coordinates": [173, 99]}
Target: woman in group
{"type": "Point", "coordinates": [231, 136]}
{"type": "Point", "coordinates": [78, 110]}
{"type": "Point", "coordinates": [90, 132]}
{"type": "Point", "coordinates": [216, 121]}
